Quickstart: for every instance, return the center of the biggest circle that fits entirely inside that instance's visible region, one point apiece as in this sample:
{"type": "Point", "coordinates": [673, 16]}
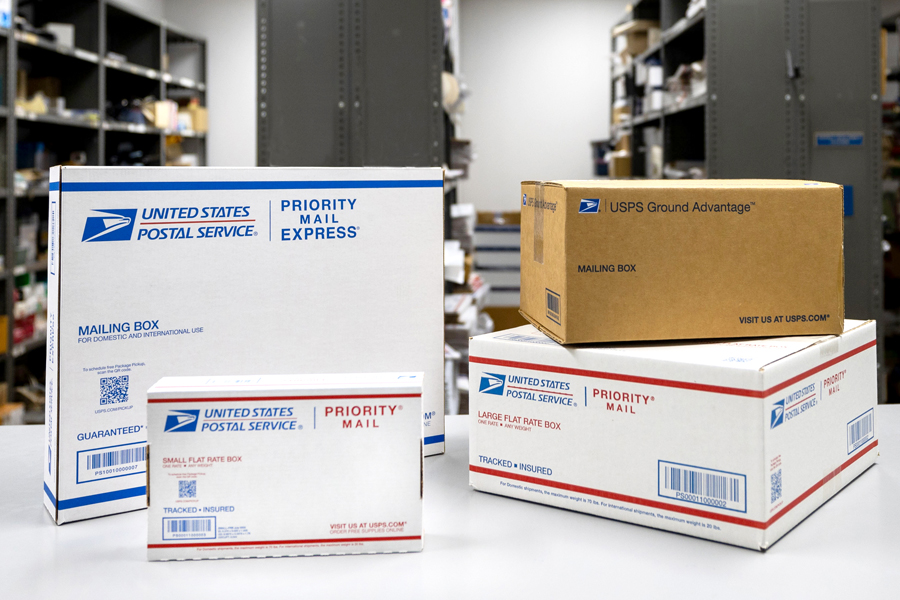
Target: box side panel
{"type": "Point", "coordinates": [821, 431]}
{"type": "Point", "coordinates": [219, 482]}
{"type": "Point", "coordinates": [681, 263]}
{"type": "Point", "coordinates": [51, 393]}
{"type": "Point", "coordinates": [620, 448]}
{"type": "Point", "coordinates": [543, 297]}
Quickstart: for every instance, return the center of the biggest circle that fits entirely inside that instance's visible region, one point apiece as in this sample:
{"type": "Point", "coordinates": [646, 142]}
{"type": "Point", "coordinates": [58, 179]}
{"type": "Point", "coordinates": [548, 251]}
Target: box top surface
{"type": "Point", "coordinates": [133, 174]}
{"type": "Point", "coordinates": [748, 354]}
{"type": "Point", "coordinates": [699, 184]}
{"type": "Point", "coordinates": [268, 386]}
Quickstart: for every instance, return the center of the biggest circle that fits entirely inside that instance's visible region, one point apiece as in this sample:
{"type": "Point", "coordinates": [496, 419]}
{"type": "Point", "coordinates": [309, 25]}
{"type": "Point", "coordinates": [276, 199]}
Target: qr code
{"type": "Point", "coordinates": [187, 488]}
{"type": "Point", "coordinates": [113, 390]}
{"type": "Point", "coordinates": [776, 485]}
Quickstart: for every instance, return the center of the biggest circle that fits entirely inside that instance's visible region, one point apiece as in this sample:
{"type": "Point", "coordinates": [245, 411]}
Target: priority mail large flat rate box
{"type": "Point", "coordinates": [186, 271]}
{"type": "Point", "coordinates": [259, 466]}
{"type": "Point", "coordinates": [607, 261]}
{"type": "Point", "coordinates": [734, 441]}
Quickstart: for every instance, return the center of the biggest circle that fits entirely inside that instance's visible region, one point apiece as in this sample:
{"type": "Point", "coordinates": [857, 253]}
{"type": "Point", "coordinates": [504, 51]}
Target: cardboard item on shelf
{"type": "Point", "coordinates": [624, 143]}
{"type": "Point", "coordinates": [621, 114]}
{"type": "Point", "coordinates": [12, 413]}
{"type": "Point", "coordinates": [655, 260]}
{"type": "Point", "coordinates": [49, 86]}
{"type": "Point", "coordinates": [220, 271]}
{"type": "Point", "coordinates": [613, 430]}
{"type": "Point", "coordinates": [4, 334]}
{"type": "Point", "coordinates": [619, 164]}
{"type": "Point", "coordinates": [638, 35]}
{"type": "Point", "coordinates": [198, 118]}
{"type": "Point", "coordinates": [505, 317]}
{"type": "Point", "coordinates": [291, 465]}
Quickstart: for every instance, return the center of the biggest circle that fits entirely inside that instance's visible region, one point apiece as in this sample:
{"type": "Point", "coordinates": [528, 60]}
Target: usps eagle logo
{"type": "Point", "coordinates": [110, 225]}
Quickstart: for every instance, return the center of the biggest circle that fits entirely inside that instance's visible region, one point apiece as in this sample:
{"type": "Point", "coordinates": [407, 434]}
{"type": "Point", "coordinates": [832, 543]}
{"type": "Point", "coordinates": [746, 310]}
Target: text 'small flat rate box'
{"type": "Point", "coordinates": [260, 466]}
{"type": "Point", "coordinates": [188, 271]}
{"type": "Point", "coordinates": [607, 261]}
{"type": "Point", "coordinates": [733, 441]}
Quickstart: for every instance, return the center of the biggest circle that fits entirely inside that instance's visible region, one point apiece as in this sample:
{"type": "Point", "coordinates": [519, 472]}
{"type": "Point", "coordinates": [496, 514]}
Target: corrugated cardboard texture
{"type": "Point", "coordinates": [658, 260]}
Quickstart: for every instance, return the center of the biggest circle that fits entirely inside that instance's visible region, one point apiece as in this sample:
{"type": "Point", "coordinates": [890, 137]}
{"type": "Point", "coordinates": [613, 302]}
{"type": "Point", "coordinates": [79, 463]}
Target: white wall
{"type": "Point", "coordinates": [538, 71]}
{"type": "Point", "coordinates": [155, 9]}
{"type": "Point", "coordinates": [229, 27]}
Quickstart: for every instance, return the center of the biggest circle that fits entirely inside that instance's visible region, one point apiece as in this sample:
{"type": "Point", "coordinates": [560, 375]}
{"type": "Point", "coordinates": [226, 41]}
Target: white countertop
{"type": "Point", "coordinates": [476, 545]}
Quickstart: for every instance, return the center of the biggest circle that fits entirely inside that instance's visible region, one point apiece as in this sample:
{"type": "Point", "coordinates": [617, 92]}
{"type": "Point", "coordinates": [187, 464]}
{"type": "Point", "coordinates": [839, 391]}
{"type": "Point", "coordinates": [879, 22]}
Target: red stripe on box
{"type": "Point", "coordinates": [686, 385]}
{"type": "Point", "coordinates": [268, 398]}
{"type": "Point", "coordinates": [288, 542]}
{"type": "Point", "coordinates": [674, 507]}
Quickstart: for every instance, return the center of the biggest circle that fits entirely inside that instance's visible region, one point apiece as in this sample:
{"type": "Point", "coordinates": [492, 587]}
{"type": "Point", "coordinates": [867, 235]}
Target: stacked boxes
{"type": "Point", "coordinates": [733, 440]}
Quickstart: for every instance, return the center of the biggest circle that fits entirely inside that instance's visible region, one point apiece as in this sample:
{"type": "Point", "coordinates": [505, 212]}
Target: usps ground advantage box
{"type": "Point", "coordinates": [734, 441]}
{"type": "Point", "coordinates": [186, 271]}
{"type": "Point", "coordinates": [260, 466]}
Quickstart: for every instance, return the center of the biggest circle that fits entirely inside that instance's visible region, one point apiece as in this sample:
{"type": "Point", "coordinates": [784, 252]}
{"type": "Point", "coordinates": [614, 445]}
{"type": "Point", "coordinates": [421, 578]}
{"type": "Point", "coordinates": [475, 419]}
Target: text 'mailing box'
{"type": "Point", "coordinates": [186, 271]}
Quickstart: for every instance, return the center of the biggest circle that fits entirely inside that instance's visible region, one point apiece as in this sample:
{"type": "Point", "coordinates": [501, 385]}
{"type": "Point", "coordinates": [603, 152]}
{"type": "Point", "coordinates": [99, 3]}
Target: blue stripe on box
{"type": "Point", "coordinates": [101, 498]}
{"type": "Point", "coordinates": [182, 186]}
{"type": "Point", "coordinates": [434, 439]}
{"type": "Point", "coordinates": [49, 494]}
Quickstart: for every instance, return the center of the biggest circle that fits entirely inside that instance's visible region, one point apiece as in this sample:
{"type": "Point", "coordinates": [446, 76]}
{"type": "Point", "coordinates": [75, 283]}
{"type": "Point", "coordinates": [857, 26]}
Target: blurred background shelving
{"type": "Point", "coordinates": [85, 82]}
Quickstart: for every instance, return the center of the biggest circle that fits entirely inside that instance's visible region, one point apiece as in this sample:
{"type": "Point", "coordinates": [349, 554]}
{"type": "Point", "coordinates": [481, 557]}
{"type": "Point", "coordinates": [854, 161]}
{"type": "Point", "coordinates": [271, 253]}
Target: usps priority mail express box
{"type": "Point", "coordinates": [259, 466]}
{"type": "Point", "coordinates": [733, 441]}
{"type": "Point", "coordinates": [187, 271]}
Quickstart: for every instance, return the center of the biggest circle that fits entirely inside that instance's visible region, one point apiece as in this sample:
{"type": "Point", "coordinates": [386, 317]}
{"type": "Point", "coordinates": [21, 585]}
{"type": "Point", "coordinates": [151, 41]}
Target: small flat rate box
{"type": "Point", "coordinates": [608, 261]}
{"type": "Point", "coordinates": [261, 466]}
{"type": "Point", "coordinates": [733, 441]}
{"type": "Point", "coordinates": [196, 271]}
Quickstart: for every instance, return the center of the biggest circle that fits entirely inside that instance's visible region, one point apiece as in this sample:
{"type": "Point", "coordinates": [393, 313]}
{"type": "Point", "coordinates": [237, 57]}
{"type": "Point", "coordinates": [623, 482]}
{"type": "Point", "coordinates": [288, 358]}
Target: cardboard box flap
{"type": "Point", "coordinates": [541, 328]}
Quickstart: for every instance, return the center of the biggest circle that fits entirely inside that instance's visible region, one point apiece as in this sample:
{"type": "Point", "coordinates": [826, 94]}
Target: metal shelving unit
{"type": "Point", "coordinates": [156, 55]}
{"type": "Point", "coordinates": [778, 89]}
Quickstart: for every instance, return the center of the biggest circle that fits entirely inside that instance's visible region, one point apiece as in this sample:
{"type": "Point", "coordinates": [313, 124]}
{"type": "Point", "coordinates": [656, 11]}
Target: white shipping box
{"type": "Point", "coordinates": [735, 441]}
{"type": "Point", "coordinates": [258, 466]}
{"type": "Point", "coordinates": [186, 271]}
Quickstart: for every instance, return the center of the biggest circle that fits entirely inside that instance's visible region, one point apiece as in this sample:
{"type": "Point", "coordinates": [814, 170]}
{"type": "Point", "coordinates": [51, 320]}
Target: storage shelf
{"type": "Point", "coordinates": [25, 115]}
{"type": "Point", "coordinates": [127, 67]}
{"type": "Point", "coordinates": [33, 40]}
{"type": "Point", "coordinates": [34, 267]}
{"type": "Point", "coordinates": [654, 115]}
{"type": "Point", "coordinates": [681, 26]}
{"type": "Point", "coordinates": [184, 82]}
{"type": "Point", "coordinates": [643, 56]}
{"type": "Point", "coordinates": [688, 104]}
{"type": "Point", "coordinates": [27, 346]}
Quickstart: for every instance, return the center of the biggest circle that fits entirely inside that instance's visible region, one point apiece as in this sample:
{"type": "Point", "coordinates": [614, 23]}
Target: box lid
{"type": "Point", "coordinates": [748, 354]}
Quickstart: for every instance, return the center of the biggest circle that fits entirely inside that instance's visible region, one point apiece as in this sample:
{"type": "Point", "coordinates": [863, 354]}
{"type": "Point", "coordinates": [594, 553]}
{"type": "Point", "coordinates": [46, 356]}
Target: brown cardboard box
{"type": "Point", "coordinates": [12, 413]}
{"type": "Point", "coordinates": [4, 333]}
{"type": "Point", "coordinates": [620, 114]}
{"type": "Point", "coordinates": [610, 261]}
{"type": "Point", "coordinates": [619, 164]}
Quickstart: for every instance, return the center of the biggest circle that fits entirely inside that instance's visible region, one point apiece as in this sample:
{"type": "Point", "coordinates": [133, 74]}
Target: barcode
{"type": "Point", "coordinates": [702, 486]}
{"type": "Point", "coordinates": [113, 458]}
{"type": "Point", "coordinates": [860, 430]}
{"type": "Point", "coordinates": [189, 526]}
{"type": "Point", "coordinates": [553, 306]}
